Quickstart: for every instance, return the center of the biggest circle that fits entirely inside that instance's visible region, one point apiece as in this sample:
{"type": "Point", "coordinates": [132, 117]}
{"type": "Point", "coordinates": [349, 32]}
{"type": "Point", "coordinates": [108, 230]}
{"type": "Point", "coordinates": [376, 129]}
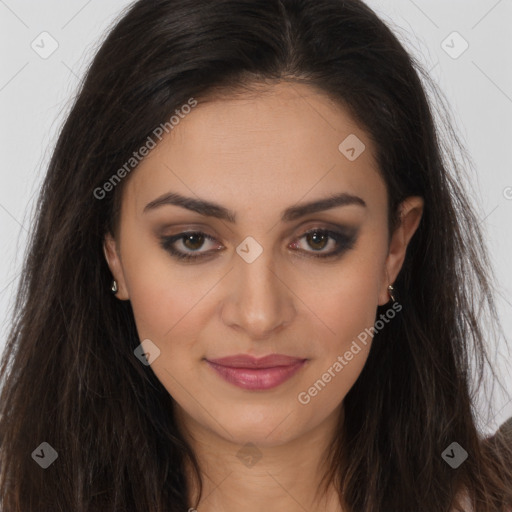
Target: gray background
{"type": "Point", "coordinates": [36, 93]}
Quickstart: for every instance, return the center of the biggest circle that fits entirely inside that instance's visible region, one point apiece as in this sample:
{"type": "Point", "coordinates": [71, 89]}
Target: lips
{"type": "Point", "coordinates": [254, 374]}
{"type": "Point", "coordinates": [246, 361]}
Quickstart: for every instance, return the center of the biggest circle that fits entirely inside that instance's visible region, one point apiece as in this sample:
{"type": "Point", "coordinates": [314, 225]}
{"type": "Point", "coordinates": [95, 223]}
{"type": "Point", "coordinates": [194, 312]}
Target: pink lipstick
{"type": "Point", "coordinates": [252, 373]}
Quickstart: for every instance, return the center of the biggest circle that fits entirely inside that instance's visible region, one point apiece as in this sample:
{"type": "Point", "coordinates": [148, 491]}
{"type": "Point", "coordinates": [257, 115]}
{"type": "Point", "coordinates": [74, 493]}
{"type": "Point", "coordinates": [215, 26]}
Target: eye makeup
{"type": "Point", "coordinates": [340, 241]}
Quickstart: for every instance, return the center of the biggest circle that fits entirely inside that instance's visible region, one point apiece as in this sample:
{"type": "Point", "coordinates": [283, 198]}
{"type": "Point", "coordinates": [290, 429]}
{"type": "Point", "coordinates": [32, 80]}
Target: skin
{"type": "Point", "coordinates": [257, 155]}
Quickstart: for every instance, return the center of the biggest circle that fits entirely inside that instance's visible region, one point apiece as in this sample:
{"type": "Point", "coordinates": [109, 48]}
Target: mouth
{"type": "Point", "coordinates": [247, 372]}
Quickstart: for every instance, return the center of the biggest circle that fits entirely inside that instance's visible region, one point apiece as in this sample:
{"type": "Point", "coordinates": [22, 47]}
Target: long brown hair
{"type": "Point", "coordinates": [69, 375]}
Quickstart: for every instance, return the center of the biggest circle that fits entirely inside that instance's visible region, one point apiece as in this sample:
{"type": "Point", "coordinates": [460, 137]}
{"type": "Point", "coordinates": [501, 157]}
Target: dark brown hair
{"type": "Point", "coordinates": [69, 375]}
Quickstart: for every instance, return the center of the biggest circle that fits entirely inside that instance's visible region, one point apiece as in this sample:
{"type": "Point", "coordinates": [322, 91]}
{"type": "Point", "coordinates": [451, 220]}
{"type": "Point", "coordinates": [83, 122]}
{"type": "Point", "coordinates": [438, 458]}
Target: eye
{"type": "Point", "coordinates": [191, 240]}
{"type": "Point", "coordinates": [317, 239]}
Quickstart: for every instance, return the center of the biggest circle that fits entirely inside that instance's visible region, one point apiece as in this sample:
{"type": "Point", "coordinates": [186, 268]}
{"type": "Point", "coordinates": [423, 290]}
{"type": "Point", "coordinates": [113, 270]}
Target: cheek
{"type": "Point", "coordinates": [349, 305]}
{"type": "Point", "coordinates": [171, 308]}
{"type": "Point", "coordinates": [348, 298]}
{"type": "Point", "coordinates": [163, 294]}
{"type": "Point", "coordinates": [348, 311]}
{"type": "Point", "coordinates": [165, 306]}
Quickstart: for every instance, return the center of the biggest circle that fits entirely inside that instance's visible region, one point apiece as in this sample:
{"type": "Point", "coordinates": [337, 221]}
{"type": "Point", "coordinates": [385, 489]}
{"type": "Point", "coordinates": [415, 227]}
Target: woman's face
{"type": "Point", "coordinates": [259, 284]}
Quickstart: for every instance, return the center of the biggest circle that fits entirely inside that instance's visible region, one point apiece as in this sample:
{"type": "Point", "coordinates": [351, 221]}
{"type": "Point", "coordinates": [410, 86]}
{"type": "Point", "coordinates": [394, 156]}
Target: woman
{"type": "Point", "coordinates": [253, 279]}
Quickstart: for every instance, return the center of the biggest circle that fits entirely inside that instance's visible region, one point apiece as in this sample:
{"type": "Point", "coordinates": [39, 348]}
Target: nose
{"type": "Point", "coordinates": [260, 301]}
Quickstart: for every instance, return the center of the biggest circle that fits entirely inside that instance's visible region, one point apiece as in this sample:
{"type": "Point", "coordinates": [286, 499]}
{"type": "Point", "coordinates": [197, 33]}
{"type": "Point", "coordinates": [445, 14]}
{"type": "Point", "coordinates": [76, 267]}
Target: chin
{"type": "Point", "coordinates": [262, 428]}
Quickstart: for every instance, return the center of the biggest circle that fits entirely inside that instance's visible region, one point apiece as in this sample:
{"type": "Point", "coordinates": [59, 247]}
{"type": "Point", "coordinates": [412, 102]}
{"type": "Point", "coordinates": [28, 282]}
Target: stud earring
{"type": "Point", "coordinates": [114, 287]}
{"type": "Point", "coordinates": [391, 292]}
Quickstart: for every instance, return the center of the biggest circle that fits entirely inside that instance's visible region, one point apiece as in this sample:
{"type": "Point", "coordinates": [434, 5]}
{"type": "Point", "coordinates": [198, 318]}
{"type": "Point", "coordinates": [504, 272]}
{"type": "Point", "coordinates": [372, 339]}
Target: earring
{"type": "Point", "coordinates": [391, 292]}
{"type": "Point", "coordinates": [114, 287]}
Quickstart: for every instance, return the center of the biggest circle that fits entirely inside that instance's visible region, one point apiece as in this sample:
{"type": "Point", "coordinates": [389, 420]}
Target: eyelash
{"type": "Point", "coordinates": [344, 242]}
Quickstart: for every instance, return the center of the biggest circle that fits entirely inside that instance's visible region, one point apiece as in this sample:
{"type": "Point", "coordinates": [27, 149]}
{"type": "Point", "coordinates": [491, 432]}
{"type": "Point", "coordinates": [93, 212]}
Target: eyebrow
{"type": "Point", "coordinates": [210, 209]}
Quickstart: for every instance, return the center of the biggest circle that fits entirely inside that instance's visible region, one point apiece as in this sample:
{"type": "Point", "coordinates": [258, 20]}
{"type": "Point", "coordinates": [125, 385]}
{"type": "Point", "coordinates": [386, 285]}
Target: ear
{"type": "Point", "coordinates": [111, 252]}
{"type": "Point", "coordinates": [411, 211]}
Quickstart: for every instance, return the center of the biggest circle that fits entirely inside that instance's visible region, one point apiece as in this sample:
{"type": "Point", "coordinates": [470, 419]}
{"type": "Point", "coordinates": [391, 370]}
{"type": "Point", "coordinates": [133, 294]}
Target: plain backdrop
{"type": "Point", "coordinates": [465, 44]}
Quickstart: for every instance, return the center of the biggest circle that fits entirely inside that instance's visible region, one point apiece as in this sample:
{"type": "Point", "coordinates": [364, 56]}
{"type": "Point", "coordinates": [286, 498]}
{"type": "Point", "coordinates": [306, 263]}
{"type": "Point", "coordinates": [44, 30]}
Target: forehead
{"type": "Point", "coordinates": [275, 146]}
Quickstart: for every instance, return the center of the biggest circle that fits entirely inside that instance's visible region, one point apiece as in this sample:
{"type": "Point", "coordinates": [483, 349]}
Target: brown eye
{"type": "Point", "coordinates": [193, 241]}
{"type": "Point", "coordinates": [189, 243]}
{"type": "Point", "coordinates": [317, 240]}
